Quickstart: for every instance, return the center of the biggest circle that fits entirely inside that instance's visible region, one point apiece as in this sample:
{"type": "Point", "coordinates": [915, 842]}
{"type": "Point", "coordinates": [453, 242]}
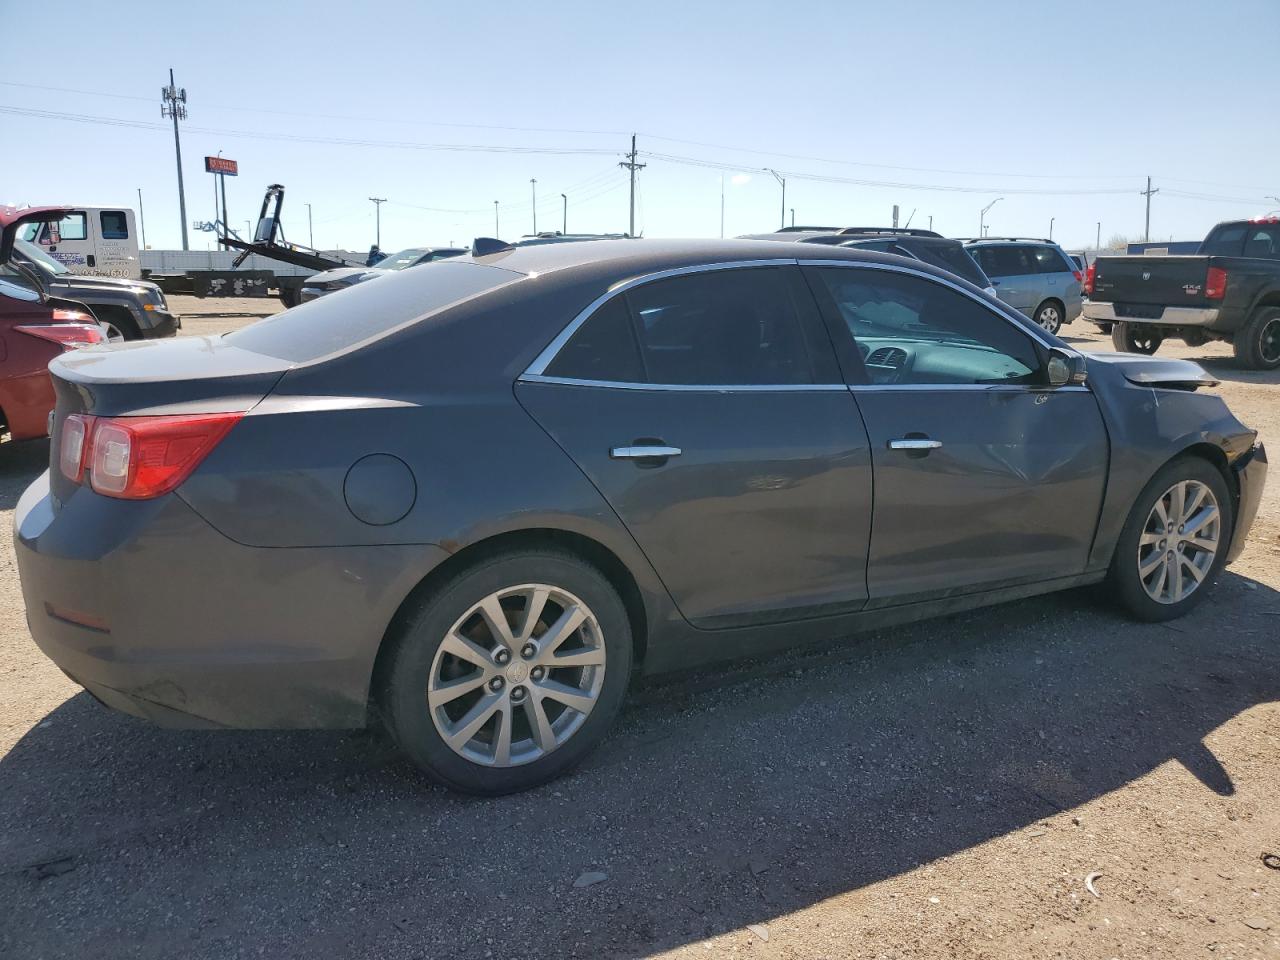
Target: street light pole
{"type": "Point", "coordinates": [1051, 219]}
{"type": "Point", "coordinates": [533, 188]}
{"type": "Point", "coordinates": [377, 207]}
{"type": "Point", "coordinates": [495, 220]}
{"type": "Point", "coordinates": [142, 220]}
{"type": "Point", "coordinates": [982, 217]}
{"type": "Point", "coordinates": [564, 226]}
{"type": "Point", "coordinates": [311, 233]}
{"type": "Point", "coordinates": [1097, 244]}
{"type": "Point", "coordinates": [793, 216]}
{"type": "Point", "coordinates": [782, 180]}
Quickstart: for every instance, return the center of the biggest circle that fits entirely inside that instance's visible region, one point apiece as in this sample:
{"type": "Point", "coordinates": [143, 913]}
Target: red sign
{"type": "Point", "coordinates": [221, 165]}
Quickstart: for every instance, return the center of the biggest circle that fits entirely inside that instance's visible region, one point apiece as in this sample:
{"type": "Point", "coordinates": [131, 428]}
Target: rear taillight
{"type": "Point", "coordinates": [1215, 283]}
{"type": "Point", "coordinates": [1090, 277]}
{"type": "Point", "coordinates": [136, 458]}
{"type": "Point", "coordinates": [68, 335]}
{"type": "Point", "coordinates": [76, 430]}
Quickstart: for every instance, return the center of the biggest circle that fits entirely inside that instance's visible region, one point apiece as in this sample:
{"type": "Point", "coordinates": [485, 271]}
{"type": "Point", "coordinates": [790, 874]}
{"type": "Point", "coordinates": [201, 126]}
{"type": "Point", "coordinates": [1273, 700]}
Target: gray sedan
{"type": "Point", "coordinates": [344, 277]}
{"type": "Point", "coordinates": [472, 500]}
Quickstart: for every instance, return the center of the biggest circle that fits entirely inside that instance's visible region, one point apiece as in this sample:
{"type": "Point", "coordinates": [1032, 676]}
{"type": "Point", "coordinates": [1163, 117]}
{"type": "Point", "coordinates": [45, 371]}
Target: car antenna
{"type": "Point", "coordinates": [483, 246]}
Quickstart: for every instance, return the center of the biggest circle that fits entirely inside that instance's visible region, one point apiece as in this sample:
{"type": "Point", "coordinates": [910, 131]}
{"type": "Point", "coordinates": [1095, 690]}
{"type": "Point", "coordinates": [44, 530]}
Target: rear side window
{"type": "Point", "coordinates": [720, 327]}
{"type": "Point", "coordinates": [1224, 241]}
{"type": "Point", "coordinates": [1050, 260]}
{"type": "Point", "coordinates": [954, 258]}
{"type": "Point", "coordinates": [1003, 261]}
{"type": "Point", "coordinates": [604, 348]}
{"type": "Point", "coordinates": [1264, 243]}
{"type": "Point", "coordinates": [332, 324]}
{"type": "Point", "coordinates": [115, 225]}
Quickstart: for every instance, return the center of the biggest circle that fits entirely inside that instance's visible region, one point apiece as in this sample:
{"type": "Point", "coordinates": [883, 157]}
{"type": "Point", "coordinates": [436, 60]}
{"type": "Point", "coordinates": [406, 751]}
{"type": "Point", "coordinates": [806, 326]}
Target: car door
{"type": "Point", "coordinates": [707, 408]}
{"type": "Point", "coordinates": [1057, 279]}
{"type": "Point", "coordinates": [1012, 273]}
{"type": "Point", "coordinates": [984, 476]}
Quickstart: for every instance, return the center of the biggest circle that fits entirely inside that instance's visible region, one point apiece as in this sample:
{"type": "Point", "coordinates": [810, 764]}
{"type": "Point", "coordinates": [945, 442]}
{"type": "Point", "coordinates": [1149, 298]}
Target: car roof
{"type": "Point", "coordinates": [996, 241]}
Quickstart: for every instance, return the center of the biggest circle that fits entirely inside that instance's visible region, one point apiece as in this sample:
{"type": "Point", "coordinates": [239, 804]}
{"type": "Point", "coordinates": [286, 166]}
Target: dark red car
{"type": "Point", "coordinates": [34, 329]}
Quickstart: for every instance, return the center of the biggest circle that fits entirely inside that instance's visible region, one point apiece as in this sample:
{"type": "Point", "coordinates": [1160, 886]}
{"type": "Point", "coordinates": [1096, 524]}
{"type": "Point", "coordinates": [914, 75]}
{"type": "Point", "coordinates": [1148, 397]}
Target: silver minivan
{"type": "Point", "coordinates": [1033, 276]}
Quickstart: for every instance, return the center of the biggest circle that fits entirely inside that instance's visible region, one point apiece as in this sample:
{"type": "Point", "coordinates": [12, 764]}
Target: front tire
{"type": "Point", "coordinates": [1175, 541]}
{"type": "Point", "coordinates": [1135, 338]}
{"type": "Point", "coordinates": [1257, 343]}
{"type": "Point", "coordinates": [1049, 316]}
{"type": "Point", "coordinates": [509, 673]}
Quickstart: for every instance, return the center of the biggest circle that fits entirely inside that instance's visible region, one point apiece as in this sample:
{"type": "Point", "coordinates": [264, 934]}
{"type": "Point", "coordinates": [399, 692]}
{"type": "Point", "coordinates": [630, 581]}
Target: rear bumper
{"type": "Point", "coordinates": [159, 615]}
{"type": "Point", "coordinates": [1251, 474]}
{"type": "Point", "coordinates": [1170, 316]}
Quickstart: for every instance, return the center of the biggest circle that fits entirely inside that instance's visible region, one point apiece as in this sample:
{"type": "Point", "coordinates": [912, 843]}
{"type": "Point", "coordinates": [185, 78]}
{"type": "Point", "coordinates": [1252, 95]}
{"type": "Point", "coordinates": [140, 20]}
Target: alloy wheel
{"type": "Point", "coordinates": [1179, 541]}
{"type": "Point", "coordinates": [1269, 342]}
{"type": "Point", "coordinates": [111, 331]}
{"type": "Point", "coordinates": [1049, 318]}
{"type": "Point", "coordinates": [517, 675]}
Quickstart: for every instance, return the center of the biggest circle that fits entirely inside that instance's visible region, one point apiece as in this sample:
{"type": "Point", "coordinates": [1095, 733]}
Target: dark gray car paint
{"type": "Point", "coordinates": [305, 590]}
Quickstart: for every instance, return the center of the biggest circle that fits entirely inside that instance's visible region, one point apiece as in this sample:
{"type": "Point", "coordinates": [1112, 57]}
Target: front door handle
{"type": "Point", "coordinates": [646, 451]}
{"type": "Point", "coordinates": [915, 443]}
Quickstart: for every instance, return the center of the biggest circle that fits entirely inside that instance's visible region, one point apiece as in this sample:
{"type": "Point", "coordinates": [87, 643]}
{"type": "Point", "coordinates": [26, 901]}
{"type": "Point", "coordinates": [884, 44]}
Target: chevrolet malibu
{"type": "Point", "coordinates": [472, 500]}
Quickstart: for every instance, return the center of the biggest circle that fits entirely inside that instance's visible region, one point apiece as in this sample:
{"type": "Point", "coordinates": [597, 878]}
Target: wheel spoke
{"type": "Point", "coordinates": [448, 692]}
{"type": "Point", "coordinates": [1177, 501]}
{"type": "Point", "coordinates": [533, 612]}
{"type": "Point", "coordinates": [584, 657]}
{"type": "Point", "coordinates": [1161, 512]}
{"type": "Point", "coordinates": [1194, 525]}
{"type": "Point", "coordinates": [569, 621]}
{"type": "Point", "coordinates": [1196, 572]}
{"type": "Point", "coordinates": [496, 620]}
{"type": "Point", "coordinates": [569, 696]}
{"type": "Point", "coordinates": [1175, 588]}
{"type": "Point", "coordinates": [1147, 539]}
{"type": "Point", "coordinates": [1197, 497]}
{"type": "Point", "coordinates": [502, 743]}
{"type": "Point", "coordinates": [465, 649]}
{"type": "Point", "coordinates": [1148, 566]}
{"type": "Point", "coordinates": [543, 735]}
{"type": "Point", "coordinates": [461, 732]}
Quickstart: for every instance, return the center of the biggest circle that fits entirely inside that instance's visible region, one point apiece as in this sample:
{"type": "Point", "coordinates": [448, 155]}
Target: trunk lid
{"type": "Point", "coordinates": [188, 375]}
{"type": "Point", "coordinates": [1156, 281]}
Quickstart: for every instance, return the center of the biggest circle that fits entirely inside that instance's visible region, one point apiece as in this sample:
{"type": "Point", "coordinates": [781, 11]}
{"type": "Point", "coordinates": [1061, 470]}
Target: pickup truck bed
{"type": "Point", "coordinates": [1209, 296]}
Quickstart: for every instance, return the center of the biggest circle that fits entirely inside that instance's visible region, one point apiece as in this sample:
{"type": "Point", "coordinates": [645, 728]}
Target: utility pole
{"type": "Point", "coordinates": [1097, 244]}
{"type": "Point", "coordinates": [1146, 233]}
{"type": "Point", "coordinates": [1051, 219]}
{"type": "Point", "coordinates": [782, 180]}
{"type": "Point", "coordinates": [142, 220]}
{"type": "Point", "coordinates": [495, 220]}
{"type": "Point", "coordinates": [173, 103]}
{"type": "Point", "coordinates": [377, 206]}
{"type": "Point", "coordinates": [533, 188]}
{"type": "Point", "coordinates": [311, 234]}
{"type": "Point", "coordinates": [630, 164]}
{"type": "Point", "coordinates": [564, 225]}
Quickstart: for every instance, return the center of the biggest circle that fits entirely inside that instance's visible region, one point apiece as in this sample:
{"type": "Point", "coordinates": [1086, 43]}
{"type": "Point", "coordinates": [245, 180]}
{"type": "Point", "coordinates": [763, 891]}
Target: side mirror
{"type": "Point", "coordinates": [1066, 368]}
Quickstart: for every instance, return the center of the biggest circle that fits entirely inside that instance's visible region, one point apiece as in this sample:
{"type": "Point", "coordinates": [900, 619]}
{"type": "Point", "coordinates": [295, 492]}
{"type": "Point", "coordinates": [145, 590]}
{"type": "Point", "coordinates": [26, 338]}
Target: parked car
{"type": "Point", "coordinates": [1033, 276]}
{"type": "Point", "coordinates": [1230, 290]}
{"type": "Point", "coordinates": [127, 309]}
{"type": "Point", "coordinates": [472, 499]}
{"type": "Point", "coordinates": [34, 329]}
{"type": "Point", "coordinates": [344, 277]}
{"type": "Point", "coordinates": [91, 242]}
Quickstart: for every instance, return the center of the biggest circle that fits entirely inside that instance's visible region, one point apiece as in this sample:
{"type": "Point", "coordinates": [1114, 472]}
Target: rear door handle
{"type": "Point", "coordinates": [914, 443]}
{"type": "Point", "coordinates": [645, 452]}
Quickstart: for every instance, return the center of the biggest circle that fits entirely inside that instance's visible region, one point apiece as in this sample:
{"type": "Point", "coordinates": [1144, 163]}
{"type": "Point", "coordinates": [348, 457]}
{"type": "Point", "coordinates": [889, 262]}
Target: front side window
{"type": "Point", "coordinates": [115, 225]}
{"type": "Point", "coordinates": [71, 227]}
{"type": "Point", "coordinates": [909, 330]}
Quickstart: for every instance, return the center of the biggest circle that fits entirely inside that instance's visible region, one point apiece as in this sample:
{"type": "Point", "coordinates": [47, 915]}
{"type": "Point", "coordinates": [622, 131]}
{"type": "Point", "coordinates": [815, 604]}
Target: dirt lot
{"type": "Point", "coordinates": [941, 790]}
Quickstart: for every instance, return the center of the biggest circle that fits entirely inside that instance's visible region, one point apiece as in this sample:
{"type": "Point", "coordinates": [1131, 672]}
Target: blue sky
{"type": "Point", "coordinates": [1062, 109]}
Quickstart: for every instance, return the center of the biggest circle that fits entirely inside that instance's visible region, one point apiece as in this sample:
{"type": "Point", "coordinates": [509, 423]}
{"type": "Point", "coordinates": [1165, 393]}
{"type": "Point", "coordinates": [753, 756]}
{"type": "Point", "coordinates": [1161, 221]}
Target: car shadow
{"type": "Point", "coordinates": [725, 797]}
{"type": "Point", "coordinates": [20, 462]}
{"type": "Point", "coordinates": [1227, 368]}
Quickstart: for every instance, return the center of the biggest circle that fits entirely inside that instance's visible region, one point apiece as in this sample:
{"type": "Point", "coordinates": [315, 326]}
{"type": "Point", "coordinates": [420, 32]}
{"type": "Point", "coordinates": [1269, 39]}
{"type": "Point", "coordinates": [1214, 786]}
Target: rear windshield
{"type": "Point", "coordinates": [956, 259]}
{"type": "Point", "coordinates": [341, 320]}
{"type": "Point", "coordinates": [1224, 241]}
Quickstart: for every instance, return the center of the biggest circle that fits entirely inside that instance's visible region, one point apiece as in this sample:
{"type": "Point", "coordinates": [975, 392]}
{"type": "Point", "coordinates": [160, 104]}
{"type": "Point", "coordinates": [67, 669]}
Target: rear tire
{"type": "Point", "coordinates": [1257, 343]}
{"type": "Point", "coordinates": [1135, 338]}
{"type": "Point", "coordinates": [1049, 316]}
{"type": "Point", "coordinates": [507, 672]}
{"type": "Point", "coordinates": [1146, 539]}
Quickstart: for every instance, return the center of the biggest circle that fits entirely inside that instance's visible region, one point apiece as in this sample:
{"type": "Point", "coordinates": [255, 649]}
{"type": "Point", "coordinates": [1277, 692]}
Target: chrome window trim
{"type": "Point", "coordinates": [689, 387]}
{"type": "Point", "coordinates": [543, 360]}
{"type": "Point", "coordinates": [946, 387]}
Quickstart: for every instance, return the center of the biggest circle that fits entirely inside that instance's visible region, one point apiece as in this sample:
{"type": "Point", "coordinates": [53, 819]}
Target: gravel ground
{"type": "Point", "coordinates": [939, 790]}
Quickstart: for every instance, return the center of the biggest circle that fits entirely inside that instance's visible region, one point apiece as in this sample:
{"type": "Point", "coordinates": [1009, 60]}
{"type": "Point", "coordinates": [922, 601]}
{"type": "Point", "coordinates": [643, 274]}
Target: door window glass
{"type": "Point", "coordinates": [115, 225]}
{"type": "Point", "coordinates": [909, 330]}
{"type": "Point", "coordinates": [71, 227]}
{"type": "Point", "coordinates": [1003, 261]}
{"type": "Point", "coordinates": [1264, 243]}
{"type": "Point", "coordinates": [1048, 260]}
{"type": "Point", "coordinates": [604, 348]}
{"type": "Point", "coordinates": [720, 327]}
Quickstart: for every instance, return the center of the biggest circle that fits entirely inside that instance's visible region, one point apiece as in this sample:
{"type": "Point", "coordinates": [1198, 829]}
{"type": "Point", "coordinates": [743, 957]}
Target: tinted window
{"type": "Point", "coordinates": [911, 330]}
{"type": "Point", "coordinates": [953, 257]}
{"type": "Point", "coordinates": [1263, 242]}
{"type": "Point", "coordinates": [720, 327]}
{"type": "Point", "coordinates": [115, 225]}
{"type": "Point", "coordinates": [604, 348]}
{"type": "Point", "coordinates": [1224, 241]}
{"type": "Point", "coordinates": [1003, 261]}
{"type": "Point", "coordinates": [1049, 260]}
{"type": "Point", "coordinates": [331, 324]}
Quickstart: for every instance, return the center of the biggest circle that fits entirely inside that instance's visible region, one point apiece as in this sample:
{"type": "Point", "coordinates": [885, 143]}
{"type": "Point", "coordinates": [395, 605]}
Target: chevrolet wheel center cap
{"type": "Point", "coordinates": [518, 672]}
